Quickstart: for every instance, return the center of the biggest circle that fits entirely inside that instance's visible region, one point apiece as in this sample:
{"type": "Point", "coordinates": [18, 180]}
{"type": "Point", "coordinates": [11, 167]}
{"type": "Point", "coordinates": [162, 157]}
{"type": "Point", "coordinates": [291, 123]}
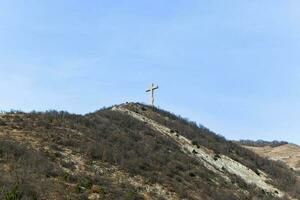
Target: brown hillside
{"type": "Point", "coordinates": [130, 152]}
{"type": "Point", "coordinates": [288, 153]}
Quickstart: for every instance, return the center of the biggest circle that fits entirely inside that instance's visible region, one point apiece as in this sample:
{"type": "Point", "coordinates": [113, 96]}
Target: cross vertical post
{"type": "Point", "coordinates": [151, 89]}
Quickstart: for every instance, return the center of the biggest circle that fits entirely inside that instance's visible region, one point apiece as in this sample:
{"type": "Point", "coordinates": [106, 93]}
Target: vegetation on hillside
{"type": "Point", "coordinates": [261, 143]}
{"type": "Point", "coordinates": [32, 165]}
{"type": "Point", "coordinates": [200, 135]}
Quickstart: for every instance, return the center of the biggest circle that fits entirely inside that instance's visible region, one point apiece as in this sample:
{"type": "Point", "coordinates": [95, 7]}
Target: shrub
{"type": "Point", "coordinates": [78, 189]}
{"type": "Point", "coordinates": [86, 183]}
{"type": "Point", "coordinates": [217, 156]}
{"type": "Point", "coordinates": [2, 123]}
{"type": "Point", "coordinates": [13, 194]}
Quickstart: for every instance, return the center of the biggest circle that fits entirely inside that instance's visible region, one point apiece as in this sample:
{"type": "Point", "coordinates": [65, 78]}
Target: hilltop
{"type": "Point", "coordinates": [130, 151]}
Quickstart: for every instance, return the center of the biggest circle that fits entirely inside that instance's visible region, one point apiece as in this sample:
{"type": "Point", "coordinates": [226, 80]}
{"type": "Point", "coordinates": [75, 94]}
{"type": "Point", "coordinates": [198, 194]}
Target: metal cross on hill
{"type": "Point", "coordinates": [151, 89]}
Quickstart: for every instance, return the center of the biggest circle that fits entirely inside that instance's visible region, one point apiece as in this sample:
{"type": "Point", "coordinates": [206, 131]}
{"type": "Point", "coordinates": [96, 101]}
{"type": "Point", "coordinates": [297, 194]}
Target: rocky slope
{"type": "Point", "coordinates": [130, 151]}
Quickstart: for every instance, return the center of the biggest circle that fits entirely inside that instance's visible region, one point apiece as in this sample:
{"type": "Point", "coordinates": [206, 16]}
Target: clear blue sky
{"type": "Point", "coordinates": [231, 65]}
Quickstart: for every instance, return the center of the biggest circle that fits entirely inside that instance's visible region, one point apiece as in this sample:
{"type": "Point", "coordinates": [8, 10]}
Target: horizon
{"type": "Point", "coordinates": [230, 66]}
{"type": "Point", "coordinates": [177, 115]}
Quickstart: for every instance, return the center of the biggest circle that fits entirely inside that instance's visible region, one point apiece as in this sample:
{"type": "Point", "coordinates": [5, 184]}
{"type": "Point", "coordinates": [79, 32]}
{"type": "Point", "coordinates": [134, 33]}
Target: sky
{"type": "Point", "coordinates": [230, 65]}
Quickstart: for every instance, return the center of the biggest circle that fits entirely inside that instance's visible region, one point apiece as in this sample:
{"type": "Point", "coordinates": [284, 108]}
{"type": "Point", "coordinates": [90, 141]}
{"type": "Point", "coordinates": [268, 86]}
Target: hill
{"type": "Point", "coordinates": [261, 143]}
{"type": "Point", "coordinates": [286, 153]}
{"type": "Point", "coordinates": [130, 151]}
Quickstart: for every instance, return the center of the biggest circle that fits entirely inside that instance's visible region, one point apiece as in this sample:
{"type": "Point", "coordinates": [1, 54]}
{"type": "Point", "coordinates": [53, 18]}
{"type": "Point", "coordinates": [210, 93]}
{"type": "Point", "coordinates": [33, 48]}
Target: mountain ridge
{"type": "Point", "coordinates": [109, 154]}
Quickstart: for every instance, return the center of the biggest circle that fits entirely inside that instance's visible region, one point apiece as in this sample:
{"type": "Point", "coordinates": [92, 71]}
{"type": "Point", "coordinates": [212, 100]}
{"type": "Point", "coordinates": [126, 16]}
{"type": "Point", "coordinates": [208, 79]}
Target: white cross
{"type": "Point", "coordinates": [151, 89]}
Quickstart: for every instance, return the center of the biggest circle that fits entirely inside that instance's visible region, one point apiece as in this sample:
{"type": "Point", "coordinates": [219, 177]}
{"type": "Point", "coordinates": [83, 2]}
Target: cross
{"type": "Point", "coordinates": [151, 89]}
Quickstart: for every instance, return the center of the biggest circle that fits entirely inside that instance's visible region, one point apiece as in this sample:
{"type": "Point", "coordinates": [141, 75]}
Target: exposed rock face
{"type": "Point", "coordinates": [219, 165]}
